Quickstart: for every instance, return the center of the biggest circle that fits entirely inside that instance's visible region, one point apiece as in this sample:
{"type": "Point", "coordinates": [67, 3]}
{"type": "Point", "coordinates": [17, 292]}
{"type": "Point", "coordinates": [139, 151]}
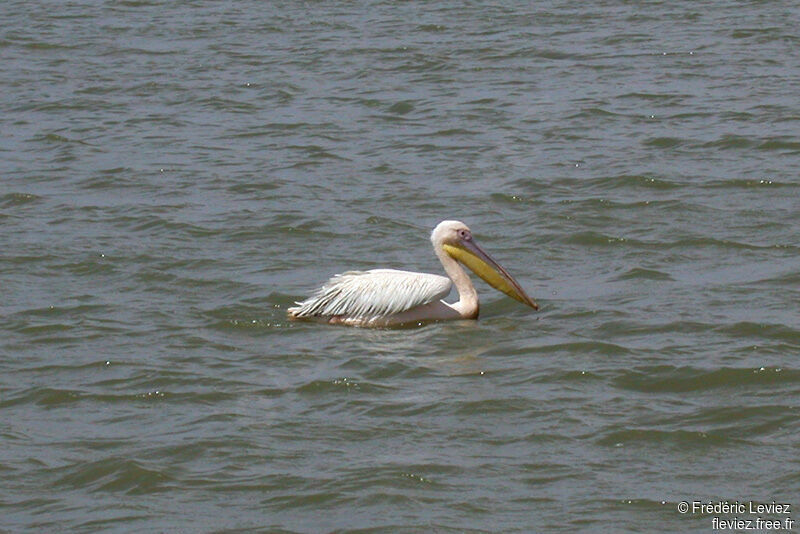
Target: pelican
{"type": "Point", "coordinates": [387, 297]}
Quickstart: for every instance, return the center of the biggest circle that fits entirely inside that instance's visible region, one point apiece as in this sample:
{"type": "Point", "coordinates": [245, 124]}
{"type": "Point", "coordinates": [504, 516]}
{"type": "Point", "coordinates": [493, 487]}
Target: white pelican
{"type": "Point", "coordinates": [386, 297]}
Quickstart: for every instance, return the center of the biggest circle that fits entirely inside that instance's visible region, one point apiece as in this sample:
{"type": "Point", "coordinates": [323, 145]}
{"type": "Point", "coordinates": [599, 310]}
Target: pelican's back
{"type": "Point", "coordinates": [375, 293]}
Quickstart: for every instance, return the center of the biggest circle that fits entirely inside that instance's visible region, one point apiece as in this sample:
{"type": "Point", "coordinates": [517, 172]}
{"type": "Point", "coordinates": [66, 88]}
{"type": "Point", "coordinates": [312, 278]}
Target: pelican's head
{"type": "Point", "coordinates": [455, 239]}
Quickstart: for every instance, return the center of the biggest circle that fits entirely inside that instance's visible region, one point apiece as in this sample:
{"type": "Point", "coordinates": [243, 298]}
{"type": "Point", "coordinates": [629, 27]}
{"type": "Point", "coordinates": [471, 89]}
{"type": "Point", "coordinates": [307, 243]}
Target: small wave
{"type": "Point", "coordinates": [591, 238]}
{"type": "Point", "coordinates": [55, 397]}
{"type": "Point", "coordinates": [114, 475]}
{"type": "Point", "coordinates": [594, 203]}
{"type": "Point", "coordinates": [89, 267]}
{"type": "Point", "coordinates": [335, 385]}
{"type": "Point", "coordinates": [10, 200]}
{"type": "Point", "coordinates": [47, 397]}
{"type": "Point", "coordinates": [780, 143]}
{"type": "Point", "coordinates": [768, 33]}
{"type": "Point", "coordinates": [731, 142]}
{"type": "Point", "coordinates": [110, 182]}
{"type": "Point", "coordinates": [741, 420]}
{"type": "Point", "coordinates": [772, 332]}
{"type": "Point", "coordinates": [705, 242]}
{"type": "Point", "coordinates": [677, 438]}
{"type": "Point", "coordinates": [421, 63]}
{"type": "Point", "coordinates": [664, 142]}
{"type": "Point", "coordinates": [791, 279]}
{"type": "Point", "coordinates": [55, 138]}
{"type": "Point", "coordinates": [263, 314]}
{"type": "Point", "coordinates": [401, 108]}
{"type": "Point", "coordinates": [747, 184]}
{"type": "Point", "coordinates": [316, 152]}
{"type": "Point", "coordinates": [667, 378]}
{"type": "Point", "coordinates": [153, 224]}
{"type": "Point", "coordinates": [594, 112]}
{"type": "Point", "coordinates": [436, 28]}
{"type": "Point", "coordinates": [625, 39]}
{"type": "Point", "coordinates": [529, 52]}
{"type": "Point", "coordinates": [249, 188]}
{"type": "Point", "coordinates": [658, 97]}
{"type": "Point", "coordinates": [116, 170]}
{"type": "Point", "coordinates": [453, 132]}
{"type": "Point", "coordinates": [577, 347]}
{"type": "Point", "coordinates": [20, 321]}
{"type": "Point", "coordinates": [44, 329]}
{"type": "Point", "coordinates": [40, 45]}
{"type": "Point", "coordinates": [227, 105]}
{"type": "Point", "coordinates": [496, 406]}
{"type": "Point", "coordinates": [626, 181]}
{"type": "Point", "coordinates": [640, 273]}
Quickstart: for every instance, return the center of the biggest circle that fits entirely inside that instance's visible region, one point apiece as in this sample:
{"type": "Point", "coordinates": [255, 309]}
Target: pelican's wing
{"type": "Point", "coordinates": [375, 293]}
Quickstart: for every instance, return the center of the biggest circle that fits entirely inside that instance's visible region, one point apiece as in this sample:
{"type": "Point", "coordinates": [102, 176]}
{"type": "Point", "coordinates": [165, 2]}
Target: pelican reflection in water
{"type": "Point", "coordinates": [387, 297]}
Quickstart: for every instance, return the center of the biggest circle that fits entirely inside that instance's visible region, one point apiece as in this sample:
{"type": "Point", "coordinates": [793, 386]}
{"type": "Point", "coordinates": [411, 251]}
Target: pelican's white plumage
{"type": "Point", "coordinates": [375, 293]}
{"type": "Point", "coordinates": [384, 297]}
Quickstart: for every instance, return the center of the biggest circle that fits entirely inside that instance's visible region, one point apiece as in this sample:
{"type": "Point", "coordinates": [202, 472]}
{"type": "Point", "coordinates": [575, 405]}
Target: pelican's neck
{"type": "Point", "coordinates": [467, 305]}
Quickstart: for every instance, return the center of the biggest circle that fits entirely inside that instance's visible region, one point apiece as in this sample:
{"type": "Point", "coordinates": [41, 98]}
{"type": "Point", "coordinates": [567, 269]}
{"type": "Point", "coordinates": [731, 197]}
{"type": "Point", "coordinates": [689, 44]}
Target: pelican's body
{"type": "Point", "coordinates": [387, 297]}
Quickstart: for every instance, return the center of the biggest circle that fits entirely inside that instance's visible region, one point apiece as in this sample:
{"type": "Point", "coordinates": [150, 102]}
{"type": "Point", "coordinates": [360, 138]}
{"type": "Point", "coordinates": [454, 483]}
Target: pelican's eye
{"type": "Point", "coordinates": [464, 234]}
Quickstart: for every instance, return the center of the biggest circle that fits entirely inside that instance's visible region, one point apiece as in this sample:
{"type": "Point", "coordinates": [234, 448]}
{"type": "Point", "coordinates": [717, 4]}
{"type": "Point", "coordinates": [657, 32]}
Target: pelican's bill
{"type": "Point", "coordinates": [471, 255]}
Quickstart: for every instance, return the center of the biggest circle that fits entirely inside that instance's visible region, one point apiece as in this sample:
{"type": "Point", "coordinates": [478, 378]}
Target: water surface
{"type": "Point", "coordinates": [175, 175]}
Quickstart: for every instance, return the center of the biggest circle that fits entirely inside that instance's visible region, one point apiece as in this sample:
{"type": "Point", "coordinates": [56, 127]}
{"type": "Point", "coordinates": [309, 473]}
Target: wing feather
{"type": "Point", "coordinates": [375, 293]}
